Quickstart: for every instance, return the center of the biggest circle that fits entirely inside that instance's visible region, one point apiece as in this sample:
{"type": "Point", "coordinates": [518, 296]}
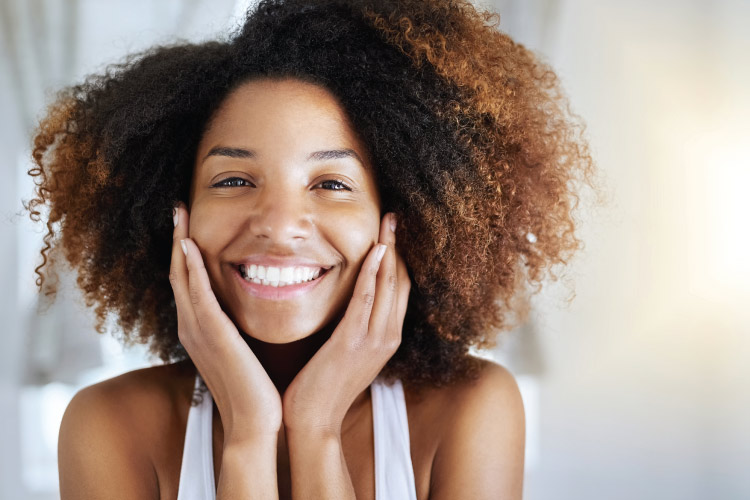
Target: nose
{"type": "Point", "coordinates": [280, 216]}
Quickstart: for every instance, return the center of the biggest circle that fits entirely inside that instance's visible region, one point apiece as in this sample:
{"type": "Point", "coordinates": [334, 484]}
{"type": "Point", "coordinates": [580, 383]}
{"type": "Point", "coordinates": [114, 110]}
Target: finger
{"type": "Point", "coordinates": [208, 313]}
{"type": "Point", "coordinates": [404, 290]}
{"type": "Point", "coordinates": [178, 275]}
{"type": "Point", "coordinates": [386, 286]}
{"type": "Point", "coordinates": [357, 315]}
{"type": "Point", "coordinates": [398, 311]}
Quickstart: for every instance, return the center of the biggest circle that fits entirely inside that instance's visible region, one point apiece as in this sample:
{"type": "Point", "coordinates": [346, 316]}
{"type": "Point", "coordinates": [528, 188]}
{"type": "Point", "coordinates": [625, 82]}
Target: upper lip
{"type": "Point", "coordinates": [276, 261]}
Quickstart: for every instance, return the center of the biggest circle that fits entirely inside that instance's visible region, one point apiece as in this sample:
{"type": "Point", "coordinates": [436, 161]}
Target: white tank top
{"type": "Point", "coordinates": [394, 475]}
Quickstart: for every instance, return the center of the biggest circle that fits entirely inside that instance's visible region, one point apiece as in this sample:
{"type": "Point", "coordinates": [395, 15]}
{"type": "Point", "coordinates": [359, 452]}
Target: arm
{"type": "Point", "coordinates": [248, 470]}
{"type": "Point", "coordinates": [98, 453]}
{"type": "Point", "coordinates": [318, 466]}
{"type": "Point", "coordinates": [481, 456]}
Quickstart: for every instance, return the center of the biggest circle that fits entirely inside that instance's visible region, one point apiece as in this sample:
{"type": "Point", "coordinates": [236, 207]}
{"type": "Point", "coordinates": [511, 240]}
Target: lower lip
{"type": "Point", "coordinates": [281, 292]}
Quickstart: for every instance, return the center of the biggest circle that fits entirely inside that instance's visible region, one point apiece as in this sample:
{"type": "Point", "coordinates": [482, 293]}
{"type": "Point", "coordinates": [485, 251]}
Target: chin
{"type": "Point", "coordinates": [279, 332]}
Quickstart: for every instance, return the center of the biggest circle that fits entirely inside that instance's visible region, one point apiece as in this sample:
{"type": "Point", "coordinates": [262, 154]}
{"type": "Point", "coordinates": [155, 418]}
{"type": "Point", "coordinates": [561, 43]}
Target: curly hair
{"type": "Point", "coordinates": [474, 145]}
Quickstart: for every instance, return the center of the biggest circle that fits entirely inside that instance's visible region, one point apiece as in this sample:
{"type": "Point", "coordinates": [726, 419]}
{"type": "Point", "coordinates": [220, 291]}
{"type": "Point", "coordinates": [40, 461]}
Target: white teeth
{"type": "Point", "coordinates": [275, 276]}
{"type": "Point", "coordinates": [272, 274]}
{"type": "Point", "coordinates": [287, 275]}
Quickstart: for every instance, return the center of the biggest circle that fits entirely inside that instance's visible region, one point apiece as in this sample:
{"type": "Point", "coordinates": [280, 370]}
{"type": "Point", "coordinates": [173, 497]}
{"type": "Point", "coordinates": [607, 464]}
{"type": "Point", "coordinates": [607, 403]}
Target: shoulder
{"type": "Point", "coordinates": [126, 396]}
{"type": "Point", "coordinates": [481, 449]}
{"type": "Point", "coordinates": [106, 430]}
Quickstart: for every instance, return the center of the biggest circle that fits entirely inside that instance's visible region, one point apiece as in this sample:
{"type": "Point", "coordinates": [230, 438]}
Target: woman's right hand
{"type": "Point", "coordinates": [247, 400]}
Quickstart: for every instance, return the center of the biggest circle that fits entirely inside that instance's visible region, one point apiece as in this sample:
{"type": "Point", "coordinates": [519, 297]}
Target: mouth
{"type": "Point", "coordinates": [279, 284]}
{"type": "Point", "coordinates": [280, 277]}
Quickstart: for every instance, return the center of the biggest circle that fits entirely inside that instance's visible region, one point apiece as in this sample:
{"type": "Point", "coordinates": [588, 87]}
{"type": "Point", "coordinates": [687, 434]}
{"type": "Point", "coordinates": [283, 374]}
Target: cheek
{"type": "Point", "coordinates": [200, 229]}
{"type": "Point", "coordinates": [210, 236]}
{"type": "Point", "coordinates": [354, 235]}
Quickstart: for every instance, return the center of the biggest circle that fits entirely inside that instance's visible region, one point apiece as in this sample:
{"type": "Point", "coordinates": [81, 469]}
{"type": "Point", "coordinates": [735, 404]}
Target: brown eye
{"type": "Point", "coordinates": [338, 185]}
{"type": "Point", "coordinates": [230, 182]}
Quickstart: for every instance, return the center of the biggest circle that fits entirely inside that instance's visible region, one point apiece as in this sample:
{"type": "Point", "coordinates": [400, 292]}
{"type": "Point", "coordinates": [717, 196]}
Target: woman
{"type": "Point", "coordinates": [359, 192]}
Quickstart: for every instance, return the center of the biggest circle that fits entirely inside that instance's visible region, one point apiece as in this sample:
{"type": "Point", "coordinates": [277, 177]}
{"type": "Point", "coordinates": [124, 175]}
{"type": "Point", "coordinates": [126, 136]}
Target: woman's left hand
{"type": "Point", "coordinates": [364, 340]}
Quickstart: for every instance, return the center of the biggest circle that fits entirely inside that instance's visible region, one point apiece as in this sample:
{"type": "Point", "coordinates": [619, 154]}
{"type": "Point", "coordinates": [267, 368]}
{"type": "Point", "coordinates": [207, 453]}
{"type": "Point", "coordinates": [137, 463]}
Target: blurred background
{"type": "Point", "coordinates": [636, 390]}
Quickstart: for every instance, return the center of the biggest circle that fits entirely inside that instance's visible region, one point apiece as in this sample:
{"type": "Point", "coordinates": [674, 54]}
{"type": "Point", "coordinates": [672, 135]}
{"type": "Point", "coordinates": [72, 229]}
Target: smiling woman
{"type": "Point", "coordinates": [359, 192]}
{"type": "Point", "coordinates": [300, 198]}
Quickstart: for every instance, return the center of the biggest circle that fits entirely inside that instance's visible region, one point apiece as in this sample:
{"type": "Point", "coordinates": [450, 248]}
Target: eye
{"type": "Point", "coordinates": [230, 182]}
{"type": "Point", "coordinates": [338, 185]}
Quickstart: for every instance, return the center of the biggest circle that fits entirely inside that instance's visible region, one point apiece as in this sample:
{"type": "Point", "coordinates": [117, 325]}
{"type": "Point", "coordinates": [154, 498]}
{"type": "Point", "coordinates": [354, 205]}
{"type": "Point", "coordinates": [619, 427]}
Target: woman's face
{"type": "Point", "coordinates": [281, 181]}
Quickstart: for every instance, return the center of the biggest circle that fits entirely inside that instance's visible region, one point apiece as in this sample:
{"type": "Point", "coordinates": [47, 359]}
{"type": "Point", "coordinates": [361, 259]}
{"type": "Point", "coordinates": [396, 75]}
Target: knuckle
{"type": "Point", "coordinates": [185, 338]}
{"type": "Point", "coordinates": [392, 282]}
{"type": "Point", "coordinates": [173, 277]}
{"type": "Point", "coordinates": [392, 344]}
{"type": "Point", "coordinates": [405, 284]}
{"type": "Point", "coordinates": [390, 347]}
{"type": "Point", "coordinates": [195, 296]}
{"type": "Point", "coordinates": [404, 278]}
{"type": "Point", "coordinates": [368, 298]}
{"type": "Point", "coordinates": [209, 342]}
{"type": "Point", "coordinates": [385, 350]}
{"type": "Point", "coordinates": [375, 348]}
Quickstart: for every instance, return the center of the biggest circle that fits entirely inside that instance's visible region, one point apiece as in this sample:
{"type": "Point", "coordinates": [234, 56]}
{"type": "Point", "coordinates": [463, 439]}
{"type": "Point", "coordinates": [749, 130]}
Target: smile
{"type": "Point", "coordinates": [276, 276]}
{"type": "Point", "coordinates": [277, 289]}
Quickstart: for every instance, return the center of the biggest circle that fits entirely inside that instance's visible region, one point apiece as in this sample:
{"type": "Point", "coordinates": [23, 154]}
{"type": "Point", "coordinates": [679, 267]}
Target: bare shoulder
{"type": "Point", "coordinates": [494, 382]}
{"type": "Point", "coordinates": [444, 407]}
{"type": "Point", "coordinates": [126, 396]}
{"type": "Point", "coordinates": [481, 448]}
{"type": "Point", "coordinates": [158, 382]}
{"type": "Point", "coordinates": [104, 446]}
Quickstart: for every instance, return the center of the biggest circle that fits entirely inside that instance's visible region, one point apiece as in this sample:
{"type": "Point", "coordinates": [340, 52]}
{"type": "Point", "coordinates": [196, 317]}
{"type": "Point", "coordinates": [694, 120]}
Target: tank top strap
{"type": "Point", "coordinates": [197, 469]}
{"type": "Point", "coordinates": [394, 472]}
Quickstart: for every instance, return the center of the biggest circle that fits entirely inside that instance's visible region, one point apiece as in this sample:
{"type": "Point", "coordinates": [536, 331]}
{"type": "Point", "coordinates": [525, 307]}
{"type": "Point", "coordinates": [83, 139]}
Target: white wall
{"type": "Point", "coordinates": [645, 389]}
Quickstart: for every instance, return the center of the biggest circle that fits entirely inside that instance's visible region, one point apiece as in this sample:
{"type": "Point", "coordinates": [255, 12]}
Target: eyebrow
{"type": "Point", "coordinates": [333, 154]}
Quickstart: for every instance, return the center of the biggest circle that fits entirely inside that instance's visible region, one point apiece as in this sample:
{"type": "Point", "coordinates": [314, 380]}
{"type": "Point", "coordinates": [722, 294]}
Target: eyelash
{"type": "Point", "coordinates": [224, 182]}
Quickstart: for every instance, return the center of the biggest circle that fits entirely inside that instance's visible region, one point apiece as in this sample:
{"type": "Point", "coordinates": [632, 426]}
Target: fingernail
{"type": "Point", "coordinates": [380, 252]}
{"type": "Point", "coordinates": [184, 247]}
{"type": "Point", "coordinates": [393, 222]}
{"type": "Point", "coordinates": [175, 216]}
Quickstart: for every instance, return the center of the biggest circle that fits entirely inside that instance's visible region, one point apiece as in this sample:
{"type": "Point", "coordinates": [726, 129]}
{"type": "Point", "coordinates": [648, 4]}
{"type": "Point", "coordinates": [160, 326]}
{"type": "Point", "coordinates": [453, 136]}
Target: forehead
{"type": "Point", "coordinates": [281, 117]}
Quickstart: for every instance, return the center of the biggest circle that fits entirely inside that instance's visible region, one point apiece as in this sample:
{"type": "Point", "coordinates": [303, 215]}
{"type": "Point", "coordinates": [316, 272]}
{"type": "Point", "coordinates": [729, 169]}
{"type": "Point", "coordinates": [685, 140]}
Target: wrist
{"type": "Point", "coordinates": [317, 463]}
{"type": "Point", "coordinates": [315, 428]}
{"type": "Point", "coordinates": [248, 469]}
{"type": "Point", "coordinates": [241, 443]}
{"type": "Point", "coordinates": [310, 436]}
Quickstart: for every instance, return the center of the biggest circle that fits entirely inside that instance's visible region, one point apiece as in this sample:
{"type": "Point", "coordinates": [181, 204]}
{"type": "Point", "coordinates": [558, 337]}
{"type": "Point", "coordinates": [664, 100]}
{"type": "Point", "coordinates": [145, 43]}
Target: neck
{"type": "Point", "coordinates": [283, 362]}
